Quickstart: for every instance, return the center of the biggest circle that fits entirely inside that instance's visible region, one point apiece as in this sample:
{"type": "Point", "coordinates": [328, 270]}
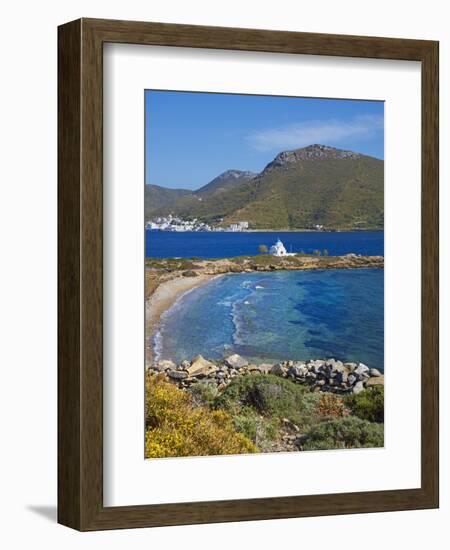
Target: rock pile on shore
{"type": "Point", "coordinates": [328, 375]}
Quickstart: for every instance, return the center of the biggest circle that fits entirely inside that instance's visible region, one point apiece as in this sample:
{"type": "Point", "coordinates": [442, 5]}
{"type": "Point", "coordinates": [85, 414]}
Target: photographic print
{"type": "Point", "coordinates": [264, 274]}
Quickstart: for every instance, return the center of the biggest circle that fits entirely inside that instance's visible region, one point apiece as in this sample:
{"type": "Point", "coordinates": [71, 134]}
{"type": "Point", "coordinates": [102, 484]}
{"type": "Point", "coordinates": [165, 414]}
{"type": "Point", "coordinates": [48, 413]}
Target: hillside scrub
{"type": "Point", "coordinates": [345, 433]}
{"type": "Point", "coordinates": [266, 261]}
{"type": "Point", "coordinates": [270, 396]}
{"type": "Point", "coordinates": [331, 406]}
{"type": "Point", "coordinates": [368, 405]}
{"type": "Point", "coordinates": [256, 413]}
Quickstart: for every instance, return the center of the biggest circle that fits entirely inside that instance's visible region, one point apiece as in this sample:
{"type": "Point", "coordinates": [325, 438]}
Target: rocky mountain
{"type": "Point", "coordinates": [312, 152]}
{"type": "Point", "coordinates": [314, 185]}
{"type": "Point", "coordinates": [225, 182]}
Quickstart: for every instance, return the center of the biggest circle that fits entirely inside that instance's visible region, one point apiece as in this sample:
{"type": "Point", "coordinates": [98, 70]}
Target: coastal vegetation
{"type": "Point", "coordinates": [265, 262]}
{"type": "Point", "coordinates": [271, 397]}
{"type": "Point", "coordinates": [201, 407]}
{"type": "Point", "coordinates": [368, 405]}
{"type": "Point", "coordinates": [176, 427]}
{"type": "Point", "coordinates": [348, 433]}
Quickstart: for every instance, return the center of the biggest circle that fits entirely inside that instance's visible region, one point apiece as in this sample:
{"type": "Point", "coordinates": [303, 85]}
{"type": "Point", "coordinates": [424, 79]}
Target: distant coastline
{"type": "Point", "coordinates": [281, 230]}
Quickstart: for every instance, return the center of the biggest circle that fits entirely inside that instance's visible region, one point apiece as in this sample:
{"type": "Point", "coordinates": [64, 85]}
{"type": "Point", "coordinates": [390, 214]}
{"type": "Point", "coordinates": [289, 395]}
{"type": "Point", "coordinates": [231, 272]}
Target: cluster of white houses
{"type": "Point", "coordinates": [171, 223]}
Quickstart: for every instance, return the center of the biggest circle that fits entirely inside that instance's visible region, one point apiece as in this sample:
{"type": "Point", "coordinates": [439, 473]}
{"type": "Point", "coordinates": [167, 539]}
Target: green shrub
{"type": "Point", "coordinates": [260, 430]}
{"type": "Point", "coordinates": [368, 405]}
{"type": "Point", "coordinates": [270, 396]}
{"type": "Point", "coordinates": [203, 394]}
{"type": "Point", "coordinates": [346, 433]}
{"type": "Point", "coordinates": [189, 273]}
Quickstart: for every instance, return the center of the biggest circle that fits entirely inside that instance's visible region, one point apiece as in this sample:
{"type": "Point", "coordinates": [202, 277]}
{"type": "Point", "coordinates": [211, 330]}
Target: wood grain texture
{"type": "Point", "coordinates": [69, 249]}
{"type": "Point", "coordinates": [430, 273]}
{"type": "Point", "coordinates": [80, 242]}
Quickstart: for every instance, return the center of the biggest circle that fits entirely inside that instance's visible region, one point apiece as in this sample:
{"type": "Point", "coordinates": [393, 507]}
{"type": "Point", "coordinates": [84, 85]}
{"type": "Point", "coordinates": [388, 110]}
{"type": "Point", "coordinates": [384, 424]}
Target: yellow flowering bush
{"type": "Point", "coordinates": [175, 427]}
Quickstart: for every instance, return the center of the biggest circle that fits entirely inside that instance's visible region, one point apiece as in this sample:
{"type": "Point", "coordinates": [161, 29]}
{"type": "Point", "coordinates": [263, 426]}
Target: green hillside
{"type": "Point", "coordinates": [225, 182]}
{"type": "Point", "coordinates": [315, 185]}
{"type": "Point", "coordinates": [159, 200]}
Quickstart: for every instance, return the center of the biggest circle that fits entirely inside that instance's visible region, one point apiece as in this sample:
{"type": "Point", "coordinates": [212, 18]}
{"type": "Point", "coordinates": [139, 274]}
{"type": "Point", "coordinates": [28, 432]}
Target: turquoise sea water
{"type": "Point", "coordinates": [277, 316]}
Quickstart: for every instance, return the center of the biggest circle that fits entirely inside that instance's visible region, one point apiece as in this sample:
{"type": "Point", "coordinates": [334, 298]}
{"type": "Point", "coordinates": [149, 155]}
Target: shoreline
{"type": "Point", "coordinates": [163, 298]}
{"type": "Point", "coordinates": [169, 279]}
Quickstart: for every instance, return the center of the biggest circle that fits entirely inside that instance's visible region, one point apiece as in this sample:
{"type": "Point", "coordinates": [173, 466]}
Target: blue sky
{"type": "Point", "coordinates": [193, 137]}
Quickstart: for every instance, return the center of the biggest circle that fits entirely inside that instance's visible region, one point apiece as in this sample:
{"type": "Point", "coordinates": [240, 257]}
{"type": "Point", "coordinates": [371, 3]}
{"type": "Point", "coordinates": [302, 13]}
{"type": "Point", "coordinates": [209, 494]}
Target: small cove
{"type": "Point", "coordinates": [277, 316]}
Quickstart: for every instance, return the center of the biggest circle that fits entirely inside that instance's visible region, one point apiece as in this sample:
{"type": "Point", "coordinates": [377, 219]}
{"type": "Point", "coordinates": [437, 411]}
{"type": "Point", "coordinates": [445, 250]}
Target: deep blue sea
{"type": "Point", "coordinates": [282, 315]}
{"type": "Point", "coordinates": [167, 244]}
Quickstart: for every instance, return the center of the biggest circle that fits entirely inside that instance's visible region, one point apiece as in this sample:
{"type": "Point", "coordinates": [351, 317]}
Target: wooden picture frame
{"type": "Point", "coordinates": [80, 272]}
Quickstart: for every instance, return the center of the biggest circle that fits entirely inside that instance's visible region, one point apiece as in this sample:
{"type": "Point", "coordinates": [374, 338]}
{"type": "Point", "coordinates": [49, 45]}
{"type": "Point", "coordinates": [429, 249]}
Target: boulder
{"type": "Point", "coordinates": [236, 361]}
{"type": "Point", "coordinates": [361, 369]}
{"type": "Point", "coordinates": [358, 387]}
{"type": "Point", "coordinates": [316, 366]}
{"type": "Point", "coordinates": [189, 381]}
{"type": "Point", "coordinates": [352, 379]}
{"type": "Point", "coordinates": [351, 366]}
{"type": "Point", "coordinates": [201, 367]}
{"type": "Point", "coordinates": [375, 381]}
{"type": "Point", "coordinates": [254, 368]}
{"type": "Point", "coordinates": [374, 372]}
{"type": "Point", "coordinates": [334, 365]}
{"type": "Point", "coordinates": [297, 371]}
{"type": "Point", "coordinates": [342, 377]}
{"type": "Point", "coordinates": [177, 374]}
{"type": "Point", "coordinates": [278, 370]}
{"type": "Point", "coordinates": [165, 364]}
{"type": "Point", "coordinates": [265, 368]}
{"type": "Point", "coordinates": [338, 367]}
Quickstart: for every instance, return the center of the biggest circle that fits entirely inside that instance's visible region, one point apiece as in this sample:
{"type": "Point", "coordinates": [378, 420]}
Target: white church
{"type": "Point", "coordinates": [278, 249]}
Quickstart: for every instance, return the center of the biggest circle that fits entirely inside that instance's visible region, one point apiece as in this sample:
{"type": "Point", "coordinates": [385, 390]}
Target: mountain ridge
{"type": "Point", "coordinates": [317, 185]}
{"type": "Point", "coordinates": [225, 180]}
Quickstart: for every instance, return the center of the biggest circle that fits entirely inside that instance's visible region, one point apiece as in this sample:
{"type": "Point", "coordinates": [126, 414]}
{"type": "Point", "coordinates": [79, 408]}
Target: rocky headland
{"type": "Point", "coordinates": [168, 268]}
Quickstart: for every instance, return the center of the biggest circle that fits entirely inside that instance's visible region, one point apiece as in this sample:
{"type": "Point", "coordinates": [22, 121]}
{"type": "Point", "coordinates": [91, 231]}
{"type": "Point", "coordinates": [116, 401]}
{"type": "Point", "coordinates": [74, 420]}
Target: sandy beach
{"type": "Point", "coordinates": [162, 299]}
